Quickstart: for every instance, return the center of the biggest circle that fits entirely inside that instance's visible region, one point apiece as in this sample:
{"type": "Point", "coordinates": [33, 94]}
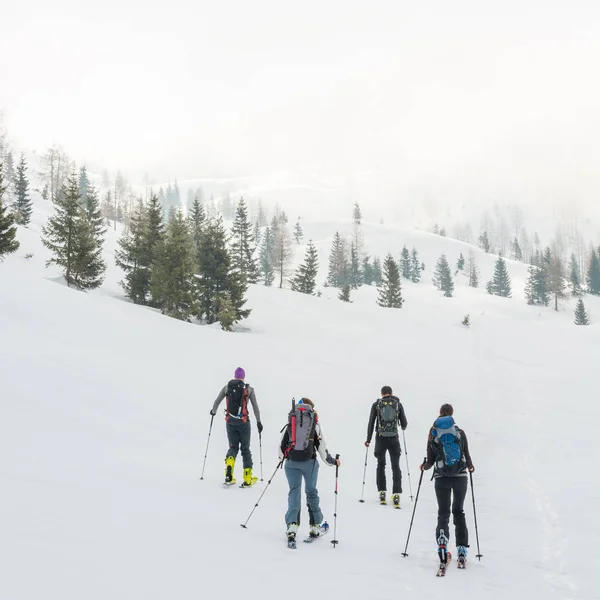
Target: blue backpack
{"type": "Point", "coordinates": [449, 447]}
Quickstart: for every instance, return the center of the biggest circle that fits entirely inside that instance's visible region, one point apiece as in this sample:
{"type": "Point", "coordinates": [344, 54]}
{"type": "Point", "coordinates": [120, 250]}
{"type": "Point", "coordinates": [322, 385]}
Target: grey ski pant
{"type": "Point", "coordinates": [295, 471]}
{"type": "Point", "coordinates": [238, 435]}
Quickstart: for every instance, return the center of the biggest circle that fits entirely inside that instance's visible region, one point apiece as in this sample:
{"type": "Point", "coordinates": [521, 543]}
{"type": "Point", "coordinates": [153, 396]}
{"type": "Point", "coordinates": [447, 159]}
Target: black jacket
{"type": "Point", "coordinates": [373, 418]}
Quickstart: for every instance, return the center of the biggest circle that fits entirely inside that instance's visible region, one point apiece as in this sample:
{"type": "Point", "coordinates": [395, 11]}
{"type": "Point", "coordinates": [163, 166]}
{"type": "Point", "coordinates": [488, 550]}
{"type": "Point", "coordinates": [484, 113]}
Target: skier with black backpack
{"type": "Point", "coordinates": [387, 413]}
{"type": "Point", "coordinates": [302, 439]}
{"type": "Point", "coordinates": [448, 454]}
{"type": "Point", "coordinates": [237, 393]}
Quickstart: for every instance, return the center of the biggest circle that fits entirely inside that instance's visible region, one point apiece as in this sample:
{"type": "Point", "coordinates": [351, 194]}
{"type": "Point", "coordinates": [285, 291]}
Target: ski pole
{"type": "Point", "coordinates": [334, 541]}
{"type": "Point", "coordinates": [479, 555]}
{"type": "Point", "coordinates": [261, 464]}
{"type": "Point", "coordinates": [362, 496]}
{"type": "Point", "coordinates": [405, 554]}
{"type": "Point", "coordinates": [207, 442]}
{"type": "Point", "coordinates": [407, 466]}
{"type": "Point", "coordinates": [263, 493]}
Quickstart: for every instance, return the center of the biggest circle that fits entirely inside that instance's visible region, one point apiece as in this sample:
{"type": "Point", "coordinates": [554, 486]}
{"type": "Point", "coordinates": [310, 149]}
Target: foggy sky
{"type": "Point", "coordinates": [457, 98]}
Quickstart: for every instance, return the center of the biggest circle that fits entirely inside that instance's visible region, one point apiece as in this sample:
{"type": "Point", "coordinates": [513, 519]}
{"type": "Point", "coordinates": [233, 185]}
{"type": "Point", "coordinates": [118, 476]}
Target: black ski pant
{"type": "Point", "coordinates": [383, 445]}
{"type": "Point", "coordinates": [445, 488]}
{"type": "Point", "coordinates": [238, 435]}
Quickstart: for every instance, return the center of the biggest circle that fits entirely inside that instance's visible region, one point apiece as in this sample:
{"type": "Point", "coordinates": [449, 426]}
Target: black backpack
{"type": "Point", "coordinates": [388, 412]}
{"type": "Point", "coordinates": [237, 400]}
{"type": "Point", "coordinates": [302, 423]}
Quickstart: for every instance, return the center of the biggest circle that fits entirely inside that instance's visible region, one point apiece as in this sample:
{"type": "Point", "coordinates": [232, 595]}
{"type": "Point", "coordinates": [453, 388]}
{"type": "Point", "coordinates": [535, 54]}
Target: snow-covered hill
{"type": "Point", "coordinates": [105, 421]}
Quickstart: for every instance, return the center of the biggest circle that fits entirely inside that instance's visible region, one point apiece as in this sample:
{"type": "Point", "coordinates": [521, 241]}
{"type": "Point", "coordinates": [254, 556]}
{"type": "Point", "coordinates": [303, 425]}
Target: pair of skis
{"type": "Point", "coordinates": [324, 529]}
{"type": "Point", "coordinates": [441, 572]}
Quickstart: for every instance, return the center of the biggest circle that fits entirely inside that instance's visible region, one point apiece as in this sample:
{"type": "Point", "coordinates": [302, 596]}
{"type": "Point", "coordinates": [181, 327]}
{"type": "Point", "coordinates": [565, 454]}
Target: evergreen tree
{"type": "Point", "coordinates": [197, 220]}
{"type": "Point", "coordinates": [581, 315]}
{"type": "Point", "coordinates": [266, 258]}
{"type": "Point", "coordinates": [94, 214]}
{"type": "Point", "coordinates": [69, 236]}
{"type": "Point", "coordinates": [242, 244]}
{"type": "Point", "coordinates": [405, 263]}
{"type": "Point", "coordinates": [593, 274]}
{"type": "Point", "coordinates": [22, 205]}
{"type": "Point", "coordinates": [442, 277]}
{"type": "Point", "coordinates": [536, 287]}
{"type": "Point", "coordinates": [282, 254]}
{"type": "Point", "coordinates": [356, 214]}
{"type": "Point", "coordinates": [443, 232]}
{"type": "Point", "coordinates": [172, 283]}
{"type": "Point", "coordinates": [217, 276]}
{"type": "Point", "coordinates": [460, 263]}
{"type": "Point", "coordinates": [257, 234]}
{"type": "Point", "coordinates": [355, 278]}
{"type": "Point", "coordinates": [415, 266]}
{"type": "Point", "coordinates": [377, 272]}
{"type": "Point", "coordinates": [45, 192]}
{"type": "Point", "coordinates": [390, 290]}
{"type": "Point", "coordinates": [84, 183]}
{"type": "Point", "coordinates": [556, 279]}
{"type": "Point", "coordinates": [517, 253]}
{"type": "Point", "coordinates": [367, 269]}
{"type": "Point", "coordinates": [132, 257]}
{"type": "Point", "coordinates": [227, 316]}
{"type": "Point", "coordinates": [344, 294]}
{"type": "Point", "coordinates": [436, 229]}
{"type": "Point", "coordinates": [8, 231]}
{"type": "Point", "coordinates": [10, 173]}
{"type": "Point", "coordinates": [473, 271]}
{"type": "Point", "coordinates": [484, 241]}
{"type": "Point", "coordinates": [338, 262]}
{"type": "Point", "coordinates": [305, 279]}
{"type": "Point", "coordinates": [575, 277]}
{"type": "Point", "coordinates": [500, 284]}
{"type": "Point", "coordinates": [298, 233]}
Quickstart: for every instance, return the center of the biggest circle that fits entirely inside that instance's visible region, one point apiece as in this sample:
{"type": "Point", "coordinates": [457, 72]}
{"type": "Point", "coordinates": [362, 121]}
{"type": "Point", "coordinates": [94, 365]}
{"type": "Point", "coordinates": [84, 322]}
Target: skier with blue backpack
{"type": "Point", "coordinates": [448, 454]}
{"type": "Point", "coordinates": [302, 439]}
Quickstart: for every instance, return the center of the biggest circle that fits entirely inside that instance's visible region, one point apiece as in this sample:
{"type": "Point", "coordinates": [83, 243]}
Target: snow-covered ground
{"type": "Point", "coordinates": [105, 415]}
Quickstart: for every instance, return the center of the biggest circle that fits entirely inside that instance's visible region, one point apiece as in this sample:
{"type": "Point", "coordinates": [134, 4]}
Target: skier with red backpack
{"type": "Point", "coordinates": [237, 393]}
{"type": "Point", "coordinates": [448, 454]}
{"type": "Point", "coordinates": [302, 439]}
{"type": "Point", "coordinates": [387, 413]}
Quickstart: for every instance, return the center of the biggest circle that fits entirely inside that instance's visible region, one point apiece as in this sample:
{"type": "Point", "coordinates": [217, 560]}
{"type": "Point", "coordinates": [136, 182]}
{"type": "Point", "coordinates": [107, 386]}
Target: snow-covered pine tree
{"type": "Point", "coordinates": [8, 231]}
{"type": "Point", "coordinates": [405, 263]}
{"type": "Point", "coordinates": [356, 214]}
{"type": "Point", "coordinates": [367, 269]}
{"type": "Point", "coordinates": [339, 265]}
{"type": "Point", "coordinates": [257, 235]}
{"type": "Point", "coordinates": [197, 221]}
{"type": "Point", "coordinates": [242, 244]}
{"type": "Point", "coordinates": [91, 204]}
{"type": "Point", "coordinates": [172, 284]}
{"type": "Point", "coordinates": [68, 235]}
{"type": "Point", "coordinates": [262, 216]}
{"type": "Point", "coordinates": [10, 175]}
{"type": "Point", "coordinates": [377, 272]}
{"type": "Point", "coordinates": [22, 205]}
{"type": "Point", "coordinates": [517, 253]}
{"type": "Point", "coordinates": [281, 256]}
{"type": "Point", "coordinates": [415, 266]}
{"type": "Point", "coordinates": [536, 287]}
{"type": "Point", "coordinates": [581, 315]}
{"type": "Point", "coordinates": [575, 277]}
{"type": "Point", "coordinates": [298, 233]}
{"type": "Point", "coordinates": [443, 231]}
{"type": "Point", "coordinates": [305, 279]}
{"type": "Point", "coordinates": [390, 291]}
{"type": "Point", "coordinates": [473, 270]}
{"type": "Point", "coordinates": [500, 284]}
{"type": "Point", "coordinates": [556, 279]}
{"type": "Point", "coordinates": [84, 183]}
{"type": "Point", "coordinates": [217, 276]}
{"type": "Point", "coordinates": [442, 277]}
{"type": "Point", "coordinates": [227, 315]}
{"type": "Point", "coordinates": [460, 263]}
{"type": "Point", "coordinates": [484, 241]}
{"type": "Point", "coordinates": [355, 278]}
{"type": "Point", "coordinates": [344, 294]}
{"type": "Point", "coordinates": [593, 274]}
{"type": "Point", "coordinates": [132, 257]}
{"type": "Point", "coordinates": [266, 257]}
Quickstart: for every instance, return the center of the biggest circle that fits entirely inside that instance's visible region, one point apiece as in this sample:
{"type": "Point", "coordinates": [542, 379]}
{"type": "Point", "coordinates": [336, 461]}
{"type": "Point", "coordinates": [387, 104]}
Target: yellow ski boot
{"type": "Point", "coordinates": [249, 481]}
{"type": "Point", "coordinates": [229, 465]}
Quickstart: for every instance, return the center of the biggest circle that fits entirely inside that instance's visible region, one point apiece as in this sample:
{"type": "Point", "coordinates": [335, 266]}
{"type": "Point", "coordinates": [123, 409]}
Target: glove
{"type": "Point", "coordinates": [260, 427]}
{"type": "Point", "coordinates": [471, 468]}
{"type": "Point", "coordinates": [367, 444]}
{"type": "Point", "coordinates": [213, 413]}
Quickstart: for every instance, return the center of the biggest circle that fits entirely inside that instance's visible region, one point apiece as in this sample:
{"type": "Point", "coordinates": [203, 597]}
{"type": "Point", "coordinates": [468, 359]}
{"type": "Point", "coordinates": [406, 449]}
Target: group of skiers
{"type": "Point", "coordinates": [302, 439]}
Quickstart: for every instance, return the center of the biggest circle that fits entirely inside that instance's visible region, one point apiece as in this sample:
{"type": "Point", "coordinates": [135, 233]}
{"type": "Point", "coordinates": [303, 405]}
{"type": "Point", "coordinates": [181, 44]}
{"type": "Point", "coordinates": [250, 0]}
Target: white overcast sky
{"type": "Point", "coordinates": [450, 91]}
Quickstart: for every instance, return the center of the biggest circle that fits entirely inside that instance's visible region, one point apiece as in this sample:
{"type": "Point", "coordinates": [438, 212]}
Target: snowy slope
{"type": "Point", "coordinates": [105, 417]}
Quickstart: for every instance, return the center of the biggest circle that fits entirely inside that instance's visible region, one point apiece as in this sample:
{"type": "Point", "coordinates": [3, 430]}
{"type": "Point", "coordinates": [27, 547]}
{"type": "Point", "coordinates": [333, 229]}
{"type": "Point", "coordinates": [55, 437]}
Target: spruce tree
{"type": "Point", "coordinates": [94, 214]}
{"type": "Point", "coordinates": [581, 315]}
{"type": "Point", "coordinates": [575, 277]}
{"type": "Point", "coordinates": [339, 266]}
{"type": "Point", "coordinates": [133, 258]}
{"type": "Point", "coordinates": [460, 263]}
{"type": "Point", "coordinates": [593, 274]}
{"type": "Point", "coordinates": [367, 270]}
{"type": "Point", "coordinates": [216, 276]}
{"type": "Point", "coordinates": [442, 277]}
{"type": "Point", "coordinates": [517, 253]}
{"type": "Point", "coordinates": [242, 244]}
{"type": "Point", "coordinates": [8, 231]}
{"type": "Point", "coordinates": [405, 263]}
{"type": "Point", "coordinates": [84, 183]}
{"type": "Point", "coordinates": [305, 279]}
{"type": "Point", "coordinates": [344, 294]}
{"type": "Point", "coordinates": [257, 234]}
{"type": "Point", "coordinates": [484, 241]}
{"type": "Point", "coordinates": [356, 214]}
{"type": "Point", "coordinates": [536, 287]}
{"type": "Point", "coordinates": [266, 257]}
{"type": "Point", "coordinates": [390, 290]}
{"type": "Point", "coordinates": [282, 253]}
{"type": "Point", "coordinates": [500, 284]}
{"type": "Point", "coordinates": [22, 206]}
{"type": "Point", "coordinates": [556, 279]}
{"type": "Point", "coordinates": [355, 278]}
{"type": "Point", "coordinates": [227, 316]}
{"type": "Point", "coordinates": [415, 266]}
{"type": "Point", "coordinates": [377, 272]}
{"type": "Point", "coordinates": [298, 233]}
{"type": "Point", "coordinates": [473, 271]}
{"type": "Point", "coordinates": [69, 236]}
{"type": "Point", "coordinates": [172, 283]}
{"type": "Point", "coordinates": [197, 220]}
